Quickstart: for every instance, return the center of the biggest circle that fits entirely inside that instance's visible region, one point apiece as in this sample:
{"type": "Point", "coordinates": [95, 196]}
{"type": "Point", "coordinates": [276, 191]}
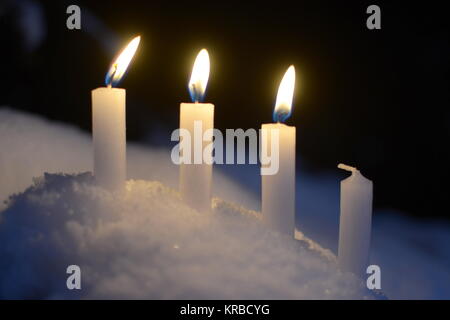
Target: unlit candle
{"type": "Point", "coordinates": [355, 222]}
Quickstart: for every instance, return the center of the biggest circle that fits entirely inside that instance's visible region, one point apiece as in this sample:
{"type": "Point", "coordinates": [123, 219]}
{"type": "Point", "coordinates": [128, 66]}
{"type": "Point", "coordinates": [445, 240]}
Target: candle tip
{"type": "Point", "coordinates": [347, 167]}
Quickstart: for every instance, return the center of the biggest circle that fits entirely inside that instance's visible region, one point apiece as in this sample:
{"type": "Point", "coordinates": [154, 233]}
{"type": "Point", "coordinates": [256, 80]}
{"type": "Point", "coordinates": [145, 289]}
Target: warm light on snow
{"type": "Point", "coordinates": [148, 244]}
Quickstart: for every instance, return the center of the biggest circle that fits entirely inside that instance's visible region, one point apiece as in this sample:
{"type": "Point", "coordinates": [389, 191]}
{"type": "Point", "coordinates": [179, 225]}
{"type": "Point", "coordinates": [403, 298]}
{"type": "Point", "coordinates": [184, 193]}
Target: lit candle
{"type": "Point", "coordinates": [278, 187]}
{"type": "Point", "coordinates": [196, 118]}
{"type": "Point", "coordinates": [355, 222]}
{"type": "Point", "coordinates": [108, 124]}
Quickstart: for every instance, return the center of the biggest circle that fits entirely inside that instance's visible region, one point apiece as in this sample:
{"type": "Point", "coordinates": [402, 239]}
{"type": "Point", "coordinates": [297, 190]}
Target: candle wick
{"type": "Point", "coordinates": [195, 93]}
{"type": "Point", "coordinates": [110, 80]}
{"type": "Point", "coordinates": [347, 167]}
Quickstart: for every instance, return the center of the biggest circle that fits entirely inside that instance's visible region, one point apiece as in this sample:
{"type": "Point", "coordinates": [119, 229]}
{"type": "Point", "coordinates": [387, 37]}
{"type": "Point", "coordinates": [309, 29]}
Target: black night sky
{"type": "Point", "coordinates": [375, 99]}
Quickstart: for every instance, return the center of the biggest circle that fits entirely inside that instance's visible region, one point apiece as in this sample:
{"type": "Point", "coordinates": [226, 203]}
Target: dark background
{"type": "Point", "coordinates": [375, 99]}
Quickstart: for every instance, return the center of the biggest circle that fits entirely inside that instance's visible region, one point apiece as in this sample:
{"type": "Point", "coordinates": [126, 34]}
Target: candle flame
{"type": "Point", "coordinates": [120, 65]}
{"type": "Point", "coordinates": [199, 76]}
{"type": "Point", "coordinates": [283, 105]}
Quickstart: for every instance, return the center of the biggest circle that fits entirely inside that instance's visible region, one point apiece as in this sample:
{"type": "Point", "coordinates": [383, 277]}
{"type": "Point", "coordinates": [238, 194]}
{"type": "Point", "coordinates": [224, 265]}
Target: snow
{"type": "Point", "coordinates": [145, 243]}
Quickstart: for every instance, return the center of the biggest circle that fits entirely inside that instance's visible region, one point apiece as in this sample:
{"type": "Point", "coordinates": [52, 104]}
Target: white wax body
{"type": "Point", "coordinates": [278, 190]}
{"type": "Point", "coordinates": [196, 179]}
{"type": "Point", "coordinates": [355, 224]}
{"type": "Point", "coordinates": [109, 137]}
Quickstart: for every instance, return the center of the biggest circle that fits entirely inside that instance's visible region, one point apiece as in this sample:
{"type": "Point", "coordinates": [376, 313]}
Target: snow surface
{"type": "Point", "coordinates": [146, 243]}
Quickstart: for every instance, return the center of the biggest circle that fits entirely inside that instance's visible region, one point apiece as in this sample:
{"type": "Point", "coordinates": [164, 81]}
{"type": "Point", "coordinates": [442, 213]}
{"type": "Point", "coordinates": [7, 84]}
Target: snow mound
{"type": "Point", "coordinates": [146, 243]}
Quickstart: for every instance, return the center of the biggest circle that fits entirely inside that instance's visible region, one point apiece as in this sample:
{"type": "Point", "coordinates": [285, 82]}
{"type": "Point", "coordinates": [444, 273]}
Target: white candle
{"type": "Point", "coordinates": [355, 222]}
{"type": "Point", "coordinates": [196, 174]}
{"type": "Point", "coordinates": [278, 188]}
{"type": "Point", "coordinates": [108, 131]}
{"type": "Point", "coordinates": [108, 124]}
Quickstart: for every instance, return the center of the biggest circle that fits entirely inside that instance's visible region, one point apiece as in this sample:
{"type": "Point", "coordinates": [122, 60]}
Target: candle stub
{"type": "Point", "coordinates": [355, 222]}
